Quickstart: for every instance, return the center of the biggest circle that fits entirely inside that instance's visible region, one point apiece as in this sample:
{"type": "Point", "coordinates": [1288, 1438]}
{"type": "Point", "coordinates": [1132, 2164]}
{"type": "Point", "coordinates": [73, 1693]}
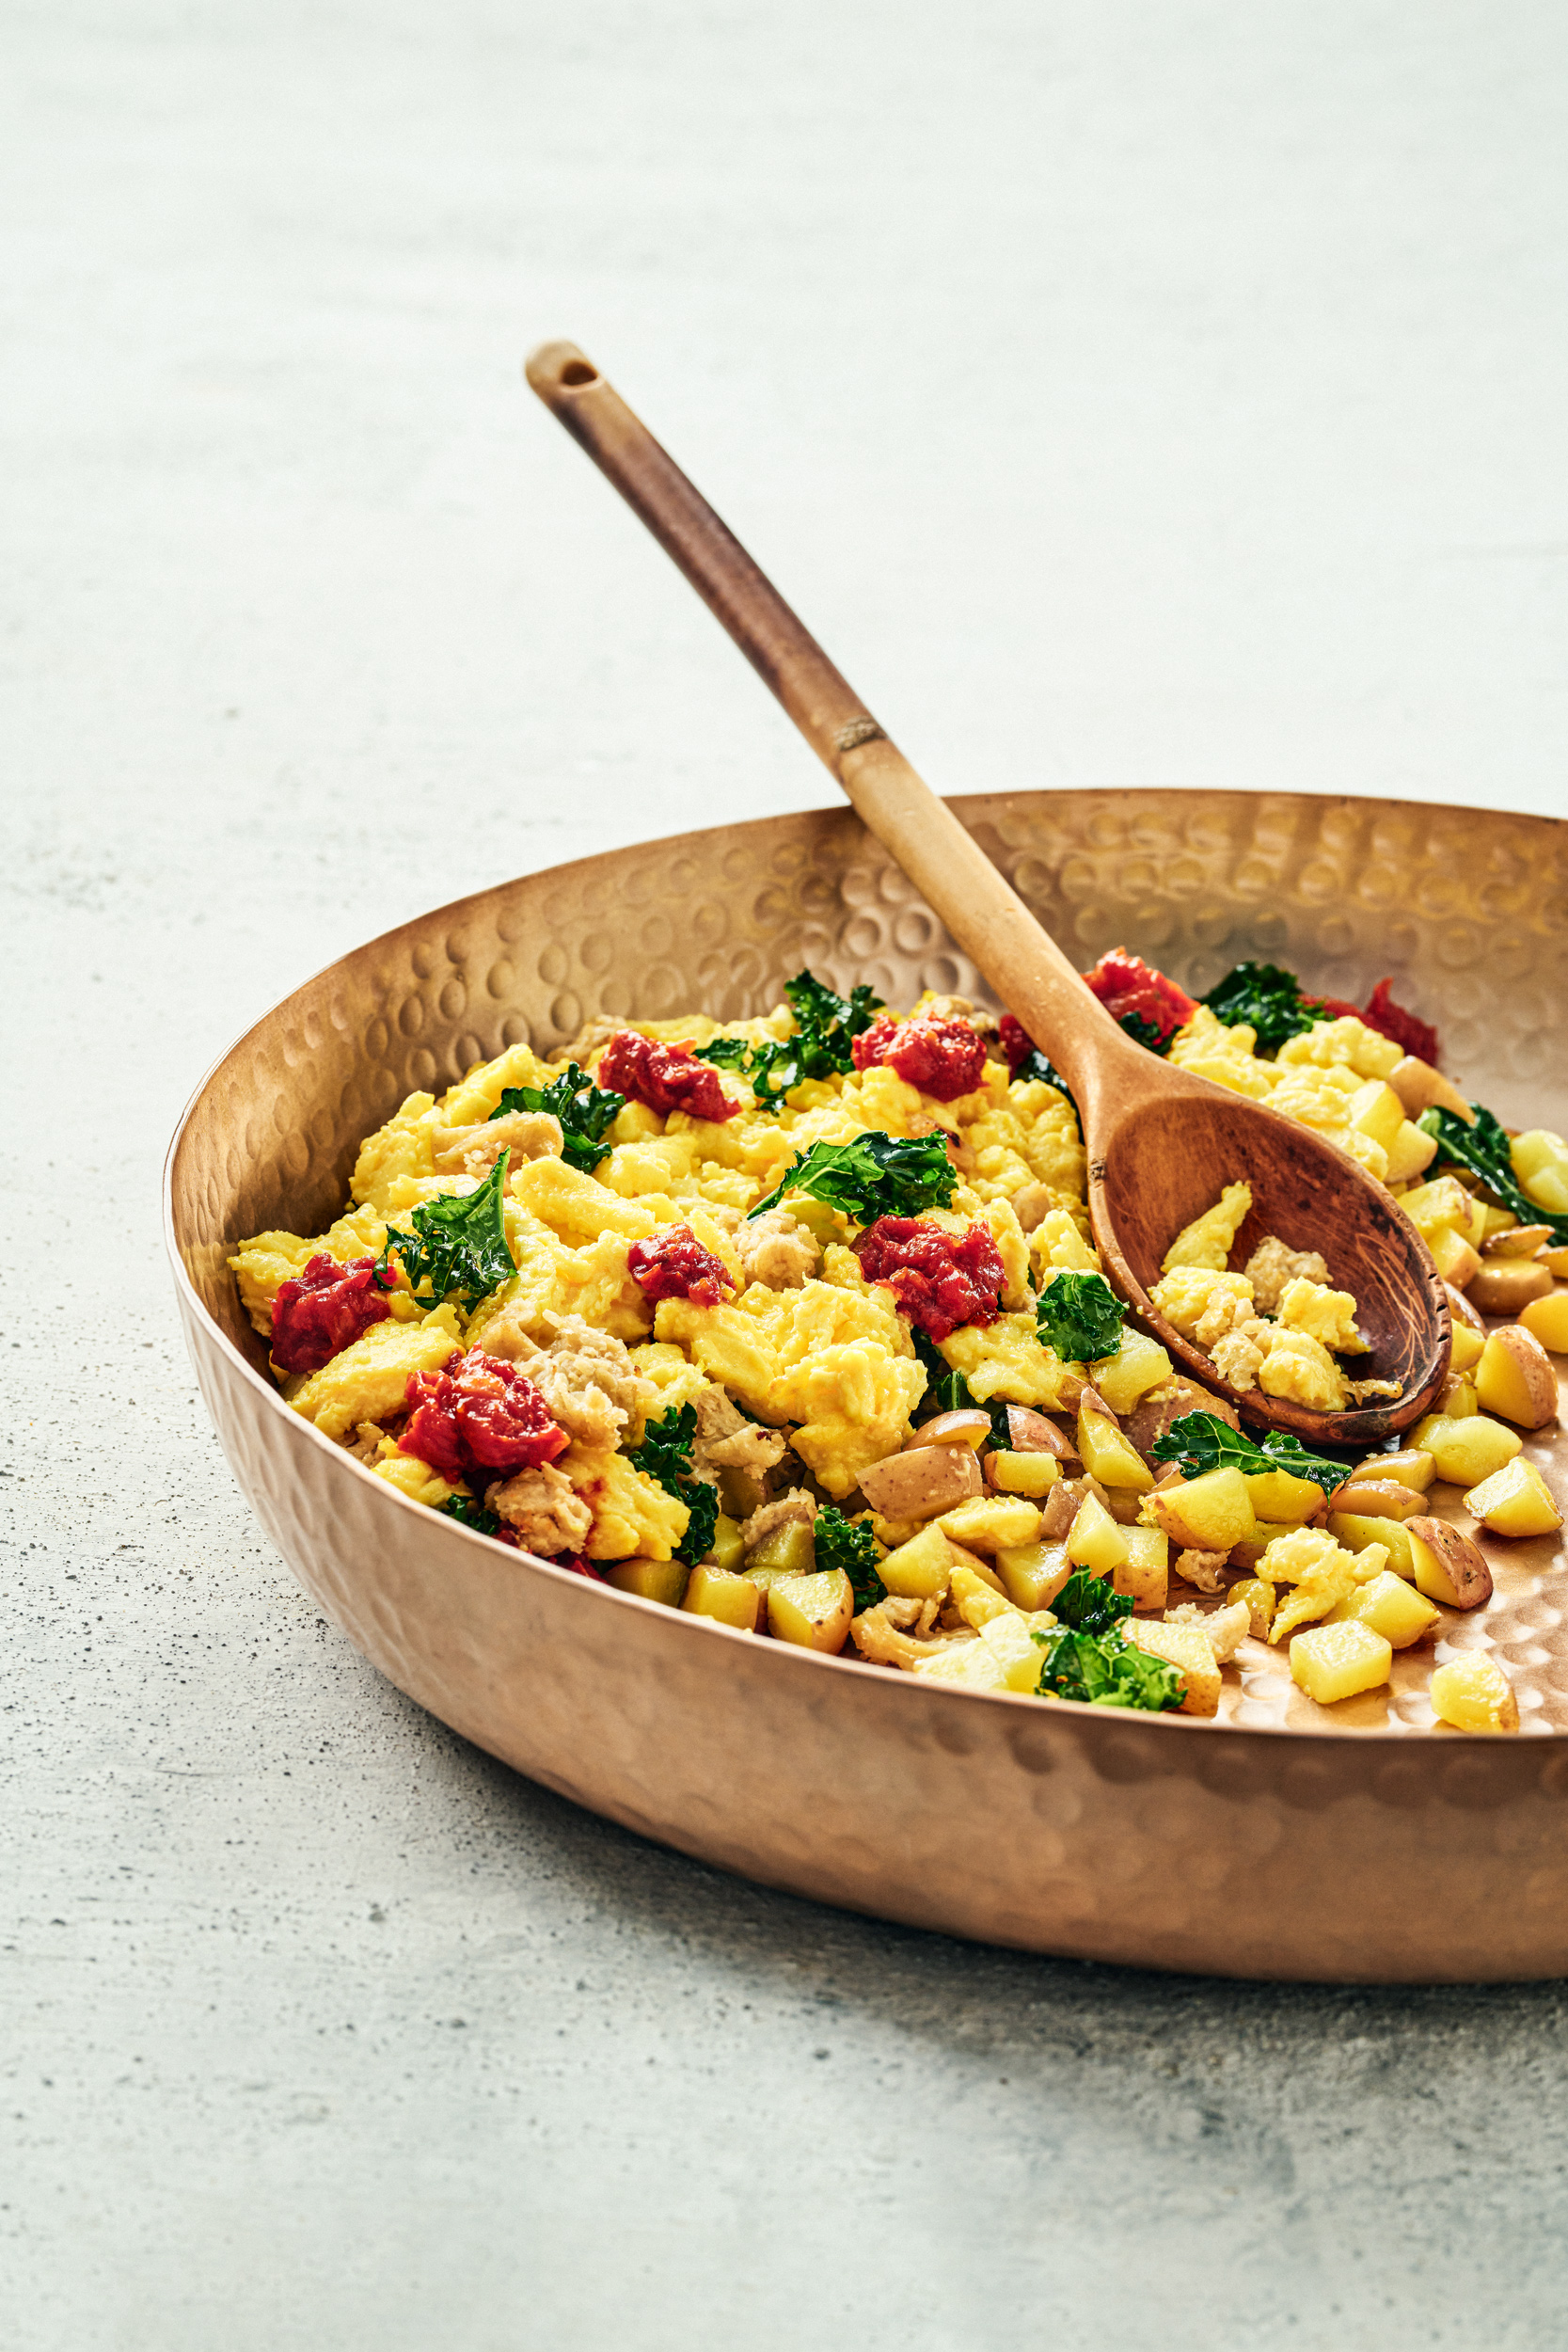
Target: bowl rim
{"type": "Point", "coordinates": [1123, 1719]}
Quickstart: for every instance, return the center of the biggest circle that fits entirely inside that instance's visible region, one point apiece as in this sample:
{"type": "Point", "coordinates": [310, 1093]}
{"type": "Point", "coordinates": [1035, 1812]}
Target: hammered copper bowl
{"type": "Point", "coordinates": [1251, 1847]}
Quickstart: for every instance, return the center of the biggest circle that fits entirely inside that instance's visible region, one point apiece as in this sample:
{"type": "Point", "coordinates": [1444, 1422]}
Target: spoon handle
{"type": "Point", "coordinates": [952, 872]}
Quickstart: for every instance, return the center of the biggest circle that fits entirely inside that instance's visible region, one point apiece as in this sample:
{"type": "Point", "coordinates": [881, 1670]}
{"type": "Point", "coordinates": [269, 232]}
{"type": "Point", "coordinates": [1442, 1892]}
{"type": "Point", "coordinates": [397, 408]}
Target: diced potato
{"type": "Point", "coordinates": [1546, 1319]}
{"type": "Point", "coordinates": [1443, 1205]}
{"type": "Point", "coordinates": [1514, 1377]}
{"type": "Point", "coordinates": [1187, 1648]}
{"type": "Point", "coordinates": [978, 1566]}
{"type": "Point", "coordinates": [787, 1550]}
{"type": "Point", "coordinates": [1458, 1398]}
{"type": "Point", "coordinates": [922, 1569]}
{"type": "Point", "coordinates": [1391, 1607]}
{"type": "Point", "coordinates": [1556, 1261]}
{"type": "Point", "coordinates": [975, 1595]}
{"type": "Point", "coordinates": [1468, 1345]}
{"type": "Point", "coordinates": [1261, 1534]}
{"type": "Point", "coordinates": [1412, 1467]}
{"type": "Point", "coordinates": [1450, 1567]}
{"type": "Point", "coordinates": [1376, 1497]}
{"type": "Point", "coordinates": [1506, 1286]}
{"type": "Point", "coordinates": [1139, 1364]}
{"type": "Point", "coordinates": [1258, 1595]}
{"type": "Point", "coordinates": [1507, 1238]}
{"type": "Point", "coordinates": [918, 1485]}
{"type": "Point", "coordinates": [1515, 1501]}
{"type": "Point", "coordinates": [1030, 1474]}
{"type": "Point", "coordinates": [1011, 1642]}
{"type": "Point", "coordinates": [1145, 1571]}
{"type": "Point", "coordinates": [993, 1522]}
{"type": "Point", "coordinates": [1375, 1111]}
{"type": "Point", "coordinates": [1411, 1153]}
{"type": "Point", "coordinates": [1029, 1432]}
{"type": "Point", "coordinates": [969, 1426]}
{"type": "Point", "coordinates": [1356, 1532]}
{"type": "Point", "coordinates": [814, 1612]}
{"type": "Point", "coordinates": [1540, 1163]}
{"type": "Point", "coordinates": [1338, 1661]}
{"type": "Point", "coordinates": [1207, 1514]}
{"type": "Point", "coordinates": [1280, 1496]}
{"type": "Point", "coordinates": [714, 1592]}
{"type": "Point", "coordinates": [1094, 1540]}
{"type": "Point", "coordinates": [1032, 1574]}
{"type": "Point", "coordinates": [1109, 1457]}
{"type": "Point", "coordinates": [663, 1581]}
{"type": "Point", "coordinates": [1466, 1451]}
{"type": "Point", "coordinates": [1456, 1260]}
{"type": "Point", "coordinates": [729, 1545]}
{"type": "Point", "coordinates": [974, 1666]}
{"type": "Point", "coordinates": [1473, 1693]}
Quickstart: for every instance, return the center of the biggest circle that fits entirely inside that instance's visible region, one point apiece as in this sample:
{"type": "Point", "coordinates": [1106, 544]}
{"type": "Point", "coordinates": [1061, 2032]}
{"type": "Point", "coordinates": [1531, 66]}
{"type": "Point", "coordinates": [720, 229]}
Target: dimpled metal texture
{"type": "Point", "coordinates": [1283, 1841]}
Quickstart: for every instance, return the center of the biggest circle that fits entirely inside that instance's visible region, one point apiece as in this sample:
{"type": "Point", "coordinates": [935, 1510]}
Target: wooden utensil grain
{"type": "Point", "coordinates": [1161, 1141]}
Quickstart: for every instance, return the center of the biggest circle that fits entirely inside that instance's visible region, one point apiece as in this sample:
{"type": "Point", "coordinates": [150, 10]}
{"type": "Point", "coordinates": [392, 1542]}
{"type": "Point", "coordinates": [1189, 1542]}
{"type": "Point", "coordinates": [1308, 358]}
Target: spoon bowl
{"type": "Point", "coordinates": [1161, 1142]}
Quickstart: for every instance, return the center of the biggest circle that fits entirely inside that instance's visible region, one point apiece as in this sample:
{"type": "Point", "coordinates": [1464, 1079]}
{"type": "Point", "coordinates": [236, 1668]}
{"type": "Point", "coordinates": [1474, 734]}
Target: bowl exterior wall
{"type": "Point", "coordinates": [1214, 1849]}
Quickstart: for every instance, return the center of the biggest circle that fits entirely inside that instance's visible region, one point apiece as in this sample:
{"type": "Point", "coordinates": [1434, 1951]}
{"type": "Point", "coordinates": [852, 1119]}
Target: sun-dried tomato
{"type": "Point", "coordinates": [1392, 1020]}
{"type": "Point", "coordinates": [672, 1264]}
{"type": "Point", "coordinates": [323, 1310]}
{"type": "Point", "coordinates": [480, 1414]}
{"type": "Point", "coordinates": [1017, 1044]}
{"type": "Point", "coordinates": [944, 1057]}
{"type": "Point", "coordinates": [1125, 984]}
{"type": "Point", "coordinates": [666, 1077]}
{"type": "Point", "coordinates": [940, 1280]}
{"type": "Point", "coordinates": [579, 1565]}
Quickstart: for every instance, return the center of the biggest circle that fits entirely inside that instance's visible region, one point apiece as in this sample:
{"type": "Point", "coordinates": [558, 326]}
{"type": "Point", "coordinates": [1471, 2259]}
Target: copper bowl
{"type": "Point", "coordinates": [1256, 1847]}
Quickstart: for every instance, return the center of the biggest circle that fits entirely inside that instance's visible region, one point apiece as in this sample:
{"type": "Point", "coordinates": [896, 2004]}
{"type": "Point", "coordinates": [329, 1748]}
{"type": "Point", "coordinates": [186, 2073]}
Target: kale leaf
{"type": "Point", "coordinates": [947, 1390]}
{"type": "Point", "coordinates": [1484, 1149]}
{"type": "Point", "coordinates": [1080, 1318]}
{"type": "Point", "coordinates": [1090, 1603]}
{"type": "Point", "coordinates": [1145, 1033]}
{"type": "Point", "coordinates": [1268, 1000]}
{"type": "Point", "coordinates": [584, 1110]}
{"type": "Point", "coordinates": [458, 1243]}
{"type": "Point", "coordinates": [1106, 1669]}
{"type": "Point", "coordinates": [852, 1548]}
{"type": "Point", "coordinates": [871, 1176]}
{"type": "Point", "coordinates": [467, 1512]}
{"type": "Point", "coordinates": [1201, 1442]}
{"type": "Point", "coordinates": [825, 1024]}
{"type": "Point", "coordinates": [665, 1457]}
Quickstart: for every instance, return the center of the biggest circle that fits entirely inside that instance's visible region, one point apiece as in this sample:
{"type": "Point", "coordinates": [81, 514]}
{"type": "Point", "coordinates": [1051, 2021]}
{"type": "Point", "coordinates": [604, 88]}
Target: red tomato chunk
{"type": "Point", "coordinates": [328, 1307]}
{"type": "Point", "coordinates": [943, 1058]}
{"type": "Point", "coordinates": [1125, 984]}
{"type": "Point", "coordinates": [666, 1077]}
{"type": "Point", "coordinates": [674, 1265]}
{"type": "Point", "coordinates": [481, 1415]}
{"type": "Point", "coordinates": [940, 1280]}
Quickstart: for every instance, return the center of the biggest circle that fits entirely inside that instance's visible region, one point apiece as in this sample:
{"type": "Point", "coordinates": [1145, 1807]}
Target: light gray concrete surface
{"type": "Point", "coordinates": [1128, 393]}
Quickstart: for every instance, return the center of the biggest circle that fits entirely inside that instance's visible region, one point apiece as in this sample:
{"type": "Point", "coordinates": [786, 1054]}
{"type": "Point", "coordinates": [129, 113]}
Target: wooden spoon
{"type": "Point", "coordinates": [1161, 1141]}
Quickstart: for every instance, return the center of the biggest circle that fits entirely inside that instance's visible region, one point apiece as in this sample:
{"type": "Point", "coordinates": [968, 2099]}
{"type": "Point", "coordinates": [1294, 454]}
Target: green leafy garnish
{"type": "Point", "coordinates": [665, 1457]}
{"type": "Point", "coordinates": [584, 1110]}
{"type": "Point", "coordinates": [1145, 1033]}
{"type": "Point", "coordinates": [1106, 1669]}
{"type": "Point", "coordinates": [1080, 1318]}
{"type": "Point", "coordinates": [1484, 1149]}
{"type": "Point", "coordinates": [947, 1390]}
{"type": "Point", "coordinates": [842, 1545]}
{"type": "Point", "coordinates": [1268, 1000]}
{"type": "Point", "coordinates": [1090, 1604]}
{"type": "Point", "coordinates": [825, 1024]}
{"type": "Point", "coordinates": [1201, 1442]}
{"type": "Point", "coordinates": [871, 1176]}
{"type": "Point", "coordinates": [458, 1244]}
{"type": "Point", "coordinates": [467, 1512]}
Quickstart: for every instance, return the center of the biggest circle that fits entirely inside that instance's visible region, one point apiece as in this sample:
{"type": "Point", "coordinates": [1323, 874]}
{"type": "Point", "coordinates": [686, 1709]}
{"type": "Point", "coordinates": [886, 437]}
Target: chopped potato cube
{"type": "Point", "coordinates": [716, 1592]}
{"type": "Point", "coordinates": [1030, 1474]}
{"type": "Point", "coordinates": [1455, 1258]}
{"type": "Point", "coordinates": [1188, 1649]}
{"type": "Point", "coordinates": [1514, 1377]}
{"type": "Point", "coordinates": [1139, 1364]}
{"type": "Point", "coordinates": [1546, 1319]}
{"type": "Point", "coordinates": [974, 1666]}
{"type": "Point", "coordinates": [1391, 1607]}
{"type": "Point", "coordinates": [1472, 1692]}
{"type": "Point", "coordinates": [1207, 1514]}
{"type": "Point", "coordinates": [1410, 1466]}
{"type": "Point", "coordinates": [1357, 1533]}
{"type": "Point", "coordinates": [1540, 1163]}
{"type": "Point", "coordinates": [1258, 1598]}
{"type": "Point", "coordinates": [1032, 1574]}
{"type": "Point", "coordinates": [1515, 1501]}
{"type": "Point", "coordinates": [1468, 1345]}
{"type": "Point", "coordinates": [1094, 1540]}
{"type": "Point", "coordinates": [1109, 1457]}
{"type": "Point", "coordinates": [813, 1610]}
{"type": "Point", "coordinates": [1145, 1574]}
{"type": "Point", "coordinates": [921, 1569]}
{"type": "Point", "coordinates": [1011, 1642]}
{"type": "Point", "coordinates": [993, 1522]}
{"type": "Point", "coordinates": [1338, 1662]}
{"type": "Point", "coordinates": [1281, 1495]}
{"type": "Point", "coordinates": [1467, 1450]}
{"type": "Point", "coordinates": [975, 1598]}
{"type": "Point", "coordinates": [664, 1580]}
